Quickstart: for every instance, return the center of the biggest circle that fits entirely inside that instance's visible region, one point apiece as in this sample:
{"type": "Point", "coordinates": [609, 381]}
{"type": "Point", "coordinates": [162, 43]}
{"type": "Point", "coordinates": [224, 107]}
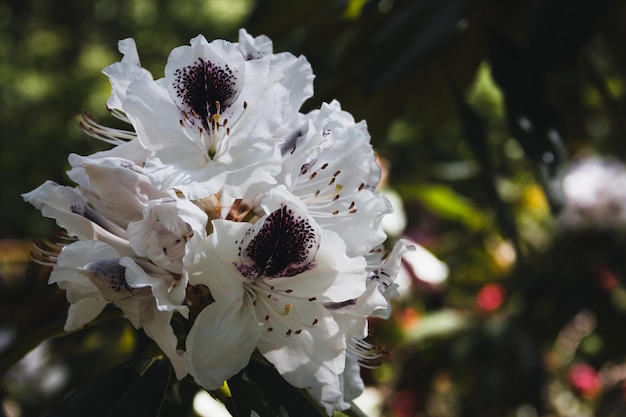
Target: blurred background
{"type": "Point", "coordinates": [500, 125]}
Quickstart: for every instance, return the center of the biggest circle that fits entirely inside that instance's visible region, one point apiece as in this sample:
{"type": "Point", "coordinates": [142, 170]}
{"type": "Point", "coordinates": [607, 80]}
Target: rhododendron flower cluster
{"type": "Point", "coordinates": [223, 200]}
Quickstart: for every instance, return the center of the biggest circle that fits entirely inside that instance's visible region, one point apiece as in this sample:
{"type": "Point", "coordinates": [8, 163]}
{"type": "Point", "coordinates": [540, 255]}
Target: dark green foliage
{"type": "Point", "coordinates": [132, 389]}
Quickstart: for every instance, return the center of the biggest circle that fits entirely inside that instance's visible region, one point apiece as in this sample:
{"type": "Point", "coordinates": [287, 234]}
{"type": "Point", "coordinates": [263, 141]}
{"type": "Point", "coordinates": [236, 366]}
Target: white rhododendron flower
{"type": "Point", "coordinates": [95, 274]}
{"type": "Point", "coordinates": [328, 164]}
{"type": "Point", "coordinates": [209, 122]}
{"type": "Point", "coordinates": [166, 226]}
{"type": "Point", "coordinates": [270, 282]}
{"type": "Point", "coordinates": [226, 207]}
{"type": "Point", "coordinates": [595, 194]}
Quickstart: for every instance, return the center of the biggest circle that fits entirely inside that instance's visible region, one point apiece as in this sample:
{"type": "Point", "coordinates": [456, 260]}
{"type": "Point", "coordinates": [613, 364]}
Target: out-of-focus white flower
{"type": "Point", "coordinates": [595, 194]}
{"type": "Point", "coordinates": [425, 266]}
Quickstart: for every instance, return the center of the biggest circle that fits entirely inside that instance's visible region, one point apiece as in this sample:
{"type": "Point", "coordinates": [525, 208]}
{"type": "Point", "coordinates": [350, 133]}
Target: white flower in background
{"type": "Point", "coordinates": [270, 282]}
{"type": "Point", "coordinates": [95, 274]}
{"type": "Point", "coordinates": [595, 194]}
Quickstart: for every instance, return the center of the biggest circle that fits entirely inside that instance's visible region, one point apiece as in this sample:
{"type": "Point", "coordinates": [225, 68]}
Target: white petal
{"type": "Point", "coordinates": [254, 48]}
{"type": "Point", "coordinates": [132, 150]}
{"type": "Point", "coordinates": [116, 187]}
{"type": "Point", "coordinates": [157, 327]}
{"type": "Point", "coordinates": [68, 207]}
{"type": "Point", "coordinates": [312, 357]}
{"type": "Point", "coordinates": [383, 269]}
{"type": "Point", "coordinates": [202, 74]}
{"type": "Point", "coordinates": [83, 311]}
{"type": "Point", "coordinates": [352, 383]}
{"type": "Point", "coordinates": [155, 117]}
{"type": "Point", "coordinates": [85, 298]}
{"type": "Point", "coordinates": [221, 341]}
{"type": "Point", "coordinates": [160, 282]}
{"type": "Point", "coordinates": [210, 261]}
{"type": "Point", "coordinates": [337, 181]}
{"type": "Point", "coordinates": [296, 72]}
{"type": "Point", "coordinates": [335, 277]}
{"type": "Point", "coordinates": [122, 73]}
{"type": "Point", "coordinates": [162, 233]}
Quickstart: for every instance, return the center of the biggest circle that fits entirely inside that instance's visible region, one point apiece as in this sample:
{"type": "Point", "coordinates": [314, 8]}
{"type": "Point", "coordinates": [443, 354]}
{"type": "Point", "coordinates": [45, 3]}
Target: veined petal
{"type": "Point", "coordinates": [337, 181]}
{"type": "Point", "coordinates": [84, 296]}
{"type": "Point", "coordinates": [336, 277]}
{"type": "Point", "coordinates": [116, 187]}
{"type": "Point", "coordinates": [308, 356]}
{"type": "Point", "coordinates": [68, 207]}
{"type": "Point", "coordinates": [383, 269]}
{"type": "Point", "coordinates": [297, 74]}
{"type": "Point", "coordinates": [221, 341]}
{"type": "Point", "coordinates": [210, 261]}
{"type": "Point", "coordinates": [163, 232]}
{"type": "Point", "coordinates": [139, 275]}
{"type": "Point", "coordinates": [201, 82]}
{"type": "Point", "coordinates": [156, 118]}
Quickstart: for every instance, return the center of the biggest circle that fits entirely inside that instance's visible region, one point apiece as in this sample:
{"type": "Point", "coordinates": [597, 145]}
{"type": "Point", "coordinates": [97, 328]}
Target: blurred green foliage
{"type": "Point", "coordinates": [474, 106]}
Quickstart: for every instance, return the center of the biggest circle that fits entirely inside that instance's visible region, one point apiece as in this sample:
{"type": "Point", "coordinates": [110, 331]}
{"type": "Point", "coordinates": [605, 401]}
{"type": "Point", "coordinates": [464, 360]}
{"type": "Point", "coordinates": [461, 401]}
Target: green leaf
{"type": "Point", "coordinates": [260, 383]}
{"type": "Point", "coordinates": [446, 202]}
{"type": "Point", "coordinates": [440, 324]}
{"type": "Point", "coordinates": [248, 397]}
{"type": "Point", "coordinates": [411, 37]}
{"type": "Point", "coordinates": [353, 411]}
{"type": "Point", "coordinates": [133, 389]}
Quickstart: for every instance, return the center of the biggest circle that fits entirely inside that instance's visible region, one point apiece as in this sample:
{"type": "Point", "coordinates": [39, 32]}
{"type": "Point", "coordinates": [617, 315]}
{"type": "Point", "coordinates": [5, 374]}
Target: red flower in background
{"type": "Point", "coordinates": [585, 380]}
{"type": "Point", "coordinates": [490, 297]}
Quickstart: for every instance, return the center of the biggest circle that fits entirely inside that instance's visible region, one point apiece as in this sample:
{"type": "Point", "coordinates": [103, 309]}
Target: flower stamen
{"type": "Point", "coordinates": [366, 354]}
{"type": "Point", "coordinates": [103, 133]}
